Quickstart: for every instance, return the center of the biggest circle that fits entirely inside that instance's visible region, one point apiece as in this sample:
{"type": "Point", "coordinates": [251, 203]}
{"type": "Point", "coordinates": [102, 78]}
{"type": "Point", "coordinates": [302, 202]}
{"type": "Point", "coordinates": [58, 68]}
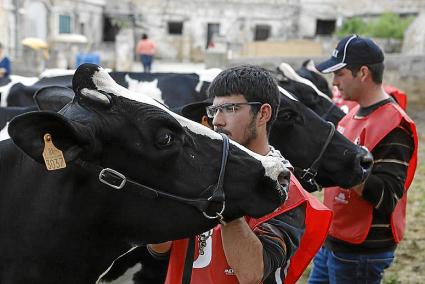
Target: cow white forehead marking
{"type": "Point", "coordinates": [101, 79]}
{"type": "Point", "coordinates": [4, 134]}
{"type": "Point", "coordinates": [287, 94]}
{"type": "Point", "coordinates": [291, 74]}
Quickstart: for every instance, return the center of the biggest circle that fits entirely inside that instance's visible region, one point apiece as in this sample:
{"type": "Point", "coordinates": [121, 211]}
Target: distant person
{"type": "Point", "coordinates": [146, 50]}
{"type": "Point", "coordinates": [4, 67]}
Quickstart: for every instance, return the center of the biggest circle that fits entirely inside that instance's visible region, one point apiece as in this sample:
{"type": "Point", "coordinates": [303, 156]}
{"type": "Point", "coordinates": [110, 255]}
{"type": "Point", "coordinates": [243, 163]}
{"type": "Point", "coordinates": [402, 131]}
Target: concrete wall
{"type": "Point", "coordinates": [414, 37]}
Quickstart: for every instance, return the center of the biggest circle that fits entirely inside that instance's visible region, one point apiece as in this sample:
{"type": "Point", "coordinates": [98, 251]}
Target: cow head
{"type": "Point", "coordinates": [108, 126]}
{"type": "Point", "coordinates": [307, 93]}
{"type": "Point", "coordinates": [302, 136]}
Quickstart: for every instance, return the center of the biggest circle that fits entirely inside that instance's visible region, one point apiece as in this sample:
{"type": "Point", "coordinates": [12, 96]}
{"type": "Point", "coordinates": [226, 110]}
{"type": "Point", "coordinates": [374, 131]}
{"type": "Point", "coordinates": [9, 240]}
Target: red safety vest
{"type": "Point", "coordinates": [352, 214]}
{"type": "Point", "coordinates": [397, 94]}
{"type": "Point", "coordinates": [212, 267]}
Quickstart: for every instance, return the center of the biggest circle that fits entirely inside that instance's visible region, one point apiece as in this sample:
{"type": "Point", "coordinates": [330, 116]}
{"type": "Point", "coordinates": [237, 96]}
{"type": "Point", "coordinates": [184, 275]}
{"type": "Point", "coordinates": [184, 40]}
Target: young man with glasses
{"type": "Point", "coordinates": [246, 250]}
{"type": "Point", "coordinates": [369, 219]}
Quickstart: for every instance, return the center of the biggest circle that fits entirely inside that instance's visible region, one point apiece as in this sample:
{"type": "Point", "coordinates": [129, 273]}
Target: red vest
{"type": "Point", "coordinates": [352, 214]}
{"type": "Point", "coordinates": [212, 267]}
{"type": "Point", "coordinates": [398, 95]}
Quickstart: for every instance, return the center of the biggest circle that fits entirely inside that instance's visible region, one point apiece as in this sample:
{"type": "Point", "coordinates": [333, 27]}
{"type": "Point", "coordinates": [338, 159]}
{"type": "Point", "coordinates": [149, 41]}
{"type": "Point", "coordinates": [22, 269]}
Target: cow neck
{"type": "Point", "coordinates": [117, 180]}
{"type": "Point", "coordinates": [308, 175]}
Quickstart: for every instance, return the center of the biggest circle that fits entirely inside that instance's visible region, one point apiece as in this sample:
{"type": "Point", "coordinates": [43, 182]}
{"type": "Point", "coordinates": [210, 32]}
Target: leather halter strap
{"type": "Point", "coordinates": [308, 175]}
{"type": "Point", "coordinates": [118, 181]}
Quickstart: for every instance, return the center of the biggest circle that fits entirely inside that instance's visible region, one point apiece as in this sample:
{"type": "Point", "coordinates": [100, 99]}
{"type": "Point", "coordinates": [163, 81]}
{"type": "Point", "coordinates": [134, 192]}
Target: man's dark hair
{"type": "Point", "coordinates": [256, 84]}
{"type": "Point", "coordinates": [376, 70]}
{"type": "Point", "coordinates": [144, 36]}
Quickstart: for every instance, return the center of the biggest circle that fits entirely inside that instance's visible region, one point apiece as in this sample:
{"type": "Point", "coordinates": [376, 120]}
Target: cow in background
{"type": "Point", "coordinates": [171, 89]}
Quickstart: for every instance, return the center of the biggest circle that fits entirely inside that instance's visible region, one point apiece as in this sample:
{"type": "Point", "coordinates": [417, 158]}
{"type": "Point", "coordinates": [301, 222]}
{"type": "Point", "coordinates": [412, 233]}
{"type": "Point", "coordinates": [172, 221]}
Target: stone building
{"type": "Point", "coordinates": [184, 30]}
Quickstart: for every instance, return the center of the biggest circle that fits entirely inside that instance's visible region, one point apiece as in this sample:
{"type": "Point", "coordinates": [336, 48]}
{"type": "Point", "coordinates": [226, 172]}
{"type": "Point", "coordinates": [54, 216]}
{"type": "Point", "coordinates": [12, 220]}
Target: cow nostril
{"type": "Point", "coordinates": [366, 161]}
{"type": "Point", "coordinates": [284, 177]}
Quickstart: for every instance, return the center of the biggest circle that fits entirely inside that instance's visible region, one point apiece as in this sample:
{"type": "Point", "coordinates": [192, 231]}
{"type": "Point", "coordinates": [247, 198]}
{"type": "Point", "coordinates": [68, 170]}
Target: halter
{"type": "Point", "coordinates": [308, 175]}
{"type": "Point", "coordinates": [117, 181]}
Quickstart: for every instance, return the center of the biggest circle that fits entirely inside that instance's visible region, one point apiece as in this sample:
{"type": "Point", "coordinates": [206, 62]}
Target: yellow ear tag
{"type": "Point", "coordinates": [53, 157]}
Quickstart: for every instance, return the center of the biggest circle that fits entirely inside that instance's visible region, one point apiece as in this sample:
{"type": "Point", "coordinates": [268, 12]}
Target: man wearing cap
{"type": "Point", "coordinates": [369, 219]}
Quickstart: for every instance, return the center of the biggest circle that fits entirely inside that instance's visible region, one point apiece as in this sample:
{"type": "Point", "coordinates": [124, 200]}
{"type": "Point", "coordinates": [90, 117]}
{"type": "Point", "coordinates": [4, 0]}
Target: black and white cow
{"type": "Point", "coordinates": [308, 94]}
{"type": "Point", "coordinates": [300, 135]}
{"type": "Point", "coordinates": [309, 72]}
{"type": "Point", "coordinates": [171, 89]}
{"type": "Point", "coordinates": [123, 172]}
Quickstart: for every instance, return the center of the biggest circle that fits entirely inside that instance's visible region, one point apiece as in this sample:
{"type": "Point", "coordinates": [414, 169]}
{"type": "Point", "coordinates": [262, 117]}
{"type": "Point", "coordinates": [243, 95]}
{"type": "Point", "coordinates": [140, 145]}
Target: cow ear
{"type": "Point", "coordinates": [87, 84]}
{"type": "Point", "coordinates": [53, 98]}
{"type": "Point", "coordinates": [27, 132]}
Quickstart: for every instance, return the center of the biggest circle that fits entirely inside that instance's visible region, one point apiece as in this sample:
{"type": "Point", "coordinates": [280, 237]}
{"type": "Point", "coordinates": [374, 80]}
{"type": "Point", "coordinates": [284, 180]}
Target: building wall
{"type": "Point", "coordinates": [237, 21]}
{"type": "Point", "coordinates": [338, 10]}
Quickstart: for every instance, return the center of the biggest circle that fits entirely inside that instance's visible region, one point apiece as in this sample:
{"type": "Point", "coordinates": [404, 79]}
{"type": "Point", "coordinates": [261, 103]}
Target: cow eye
{"type": "Point", "coordinates": [165, 139]}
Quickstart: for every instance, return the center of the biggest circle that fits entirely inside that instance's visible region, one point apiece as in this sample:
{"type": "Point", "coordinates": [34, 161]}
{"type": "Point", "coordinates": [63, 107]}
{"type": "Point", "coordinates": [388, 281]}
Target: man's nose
{"type": "Point", "coordinates": [218, 119]}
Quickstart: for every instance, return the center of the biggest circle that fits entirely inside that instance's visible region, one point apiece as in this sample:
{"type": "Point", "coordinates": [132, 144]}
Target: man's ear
{"type": "Point", "coordinates": [27, 132]}
{"type": "Point", "coordinates": [265, 113]}
{"type": "Point", "coordinates": [364, 73]}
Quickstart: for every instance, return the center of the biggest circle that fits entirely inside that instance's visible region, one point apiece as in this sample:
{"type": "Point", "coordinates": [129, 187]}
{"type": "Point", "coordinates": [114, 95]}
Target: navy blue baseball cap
{"type": "Point", "coordinates": [352, 50]}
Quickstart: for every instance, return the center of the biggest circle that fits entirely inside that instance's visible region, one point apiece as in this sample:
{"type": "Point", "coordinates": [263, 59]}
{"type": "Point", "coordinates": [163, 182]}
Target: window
{"type": "Point", "coordinates": [325, 27]}
{"type": "Point", "coordinates": [110, 29]}
{"type": "Point", "coordinates": [262, 32]}
{"type": "Point", "coordinates": [64, 24]}
{"type": "Point", "coordinates": [213, 29]}
{"type": "Point", "coordinates": [175, 28]}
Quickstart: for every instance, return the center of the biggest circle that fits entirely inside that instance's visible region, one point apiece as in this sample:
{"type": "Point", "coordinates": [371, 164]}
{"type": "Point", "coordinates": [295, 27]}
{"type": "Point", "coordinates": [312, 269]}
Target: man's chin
{"type": "Point", "coordinates": [224, 131]}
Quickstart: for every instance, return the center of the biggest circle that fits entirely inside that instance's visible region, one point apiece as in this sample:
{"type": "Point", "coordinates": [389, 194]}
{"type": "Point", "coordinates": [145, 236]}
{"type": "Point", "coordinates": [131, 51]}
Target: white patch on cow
{"type": "Point", "coordinates": [95, 95]}
{"type": "Point", "coordinates": [310, 66]}
{"type": "Point", "coordinates": [3, 133]}
{"type": "Point", "coordinates": [206, 75]}
{"type": "Point", "coordinates": [287, 94]}
{"type": "Point", "coordinates": [4, 90]}
{"type": "Point", "coordinates": [145, 88]}
{"type": "Point", "coordinates": [291, 74]}
{"type": "Point", "coordinates": [103, 81]}
{"type": "Point", "coordinates": [109, 268]}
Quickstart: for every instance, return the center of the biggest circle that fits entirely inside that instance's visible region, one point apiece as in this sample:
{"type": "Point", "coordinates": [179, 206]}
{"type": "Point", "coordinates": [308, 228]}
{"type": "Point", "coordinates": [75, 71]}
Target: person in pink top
{"type": "Point", "coordinates": [146, 50]}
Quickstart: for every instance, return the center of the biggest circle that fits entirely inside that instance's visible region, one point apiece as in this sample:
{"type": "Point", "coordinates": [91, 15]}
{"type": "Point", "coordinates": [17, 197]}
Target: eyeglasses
{"type": "Point", "coordinates": [228, 108]}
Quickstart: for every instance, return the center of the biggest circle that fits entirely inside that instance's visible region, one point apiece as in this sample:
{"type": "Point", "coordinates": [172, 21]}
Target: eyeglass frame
{"type": "Point", "coordinates": [227, 107]}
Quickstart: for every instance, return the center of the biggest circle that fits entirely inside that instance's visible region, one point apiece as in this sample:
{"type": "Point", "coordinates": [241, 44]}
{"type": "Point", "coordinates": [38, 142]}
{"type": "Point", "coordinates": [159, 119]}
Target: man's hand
{"type": "Point", "coordinates": [358, 188]}
{"type": "Point", "coordinates": [243, 251]}
{"type": "Point", "coordinates": [160, 248]}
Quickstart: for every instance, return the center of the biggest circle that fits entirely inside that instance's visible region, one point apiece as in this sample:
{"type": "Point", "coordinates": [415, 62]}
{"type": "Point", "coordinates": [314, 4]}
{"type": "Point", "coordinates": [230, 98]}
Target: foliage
{"type": "Point", "coordinates": [388, 25]}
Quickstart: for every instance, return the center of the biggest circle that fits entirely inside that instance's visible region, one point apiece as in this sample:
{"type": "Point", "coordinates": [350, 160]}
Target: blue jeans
{"type": "Point", "coordinates": [147, 62]}
{"type": "Point", "coordinates": [347, 268]}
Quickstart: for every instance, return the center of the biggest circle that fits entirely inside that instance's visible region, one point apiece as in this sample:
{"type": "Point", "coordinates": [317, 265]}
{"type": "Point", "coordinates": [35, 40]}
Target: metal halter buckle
{"type": "Point", "coordinates": [119, 177]}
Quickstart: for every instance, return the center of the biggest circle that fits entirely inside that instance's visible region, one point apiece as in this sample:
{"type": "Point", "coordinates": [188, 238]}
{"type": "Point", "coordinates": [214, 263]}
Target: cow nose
{"type": "Point", "coordinates": [366, 162]}
{"type": "Point", "coordinates": [283, 186]}
{"type": "Point", "coordinates": [284, 176]}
